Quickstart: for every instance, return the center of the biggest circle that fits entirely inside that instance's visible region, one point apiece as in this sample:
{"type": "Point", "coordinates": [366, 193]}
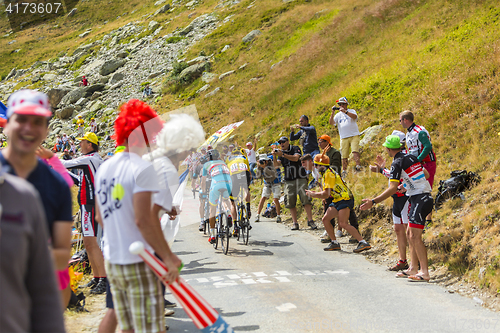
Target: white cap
{"type": "Point", "coordinates": [342, 100]}
{"type": "Point", "coordinates": [29, 102]}
{"type": "Point", "coordinates": [402, 136]}
{"type": "Point", "coordinates": [263, 157]}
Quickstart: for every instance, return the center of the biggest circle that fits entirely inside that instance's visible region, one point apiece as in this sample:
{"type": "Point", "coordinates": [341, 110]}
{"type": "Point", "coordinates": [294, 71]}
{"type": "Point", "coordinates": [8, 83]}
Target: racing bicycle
{"type": "Point", "coordinates": [221, 226]}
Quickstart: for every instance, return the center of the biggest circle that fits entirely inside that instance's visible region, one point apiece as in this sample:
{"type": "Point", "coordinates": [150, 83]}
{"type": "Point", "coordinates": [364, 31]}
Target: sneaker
{"type": "Point", "coordinates": [202, 226]}
{"type": "Point", "coordinates": [211, 240]}
{"type": "Point", "coordinates": [100, 288]}
{"type": "Point", "coordinates": [295, 226]}
{"type": "Point", "coordinates": [169, 304]}
{"type": "Point", "coordinates": [324, 234]}
{"type": "Point", "coordinates": [278, 219]}
{"type": "Point", "coordinates": [249, 226]}
{"type": "Point", "coordinates": [332, 247]}
{"type": "Point", "coordinates": [362, 246]}
{"type": "Point", "coordinates": [169, 312]}
{"type": "Point", "coordinates": [312, 225]}
{"type": "Point", "coordinates": [326, 240]}
{"type": "Point", "coordinates": [338, 234]}
{"type": "Point", "coordinates": [91, 284]}
{"type": "Point", "coordinates": [401, 265]}
{"type": "Point", "coordinates": [257, 218]}
{"type": "Point", "coordinates": [249, 213]}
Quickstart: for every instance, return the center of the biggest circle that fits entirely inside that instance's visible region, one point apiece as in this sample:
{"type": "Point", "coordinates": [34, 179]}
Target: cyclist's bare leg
{"type": "Point", "coordinates": [261, 204]}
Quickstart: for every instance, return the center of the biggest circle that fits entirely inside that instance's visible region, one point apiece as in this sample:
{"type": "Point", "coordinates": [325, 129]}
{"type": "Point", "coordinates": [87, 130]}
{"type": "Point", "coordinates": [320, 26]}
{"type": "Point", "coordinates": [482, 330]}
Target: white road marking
{"type": "Point", "coordinates": [286, 307]}
{"type": "Point", "coordinates": [261, 277]}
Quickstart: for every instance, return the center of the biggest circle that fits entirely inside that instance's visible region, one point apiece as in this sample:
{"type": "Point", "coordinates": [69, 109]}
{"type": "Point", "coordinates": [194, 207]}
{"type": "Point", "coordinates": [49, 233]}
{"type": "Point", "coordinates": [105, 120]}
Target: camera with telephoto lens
{"type": "Point", "coordinates": [335, 108]}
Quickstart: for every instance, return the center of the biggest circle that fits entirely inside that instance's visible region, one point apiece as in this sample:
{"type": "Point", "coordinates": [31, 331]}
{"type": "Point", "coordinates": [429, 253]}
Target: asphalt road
{"type": "Point", "coordinates": [283, 281]}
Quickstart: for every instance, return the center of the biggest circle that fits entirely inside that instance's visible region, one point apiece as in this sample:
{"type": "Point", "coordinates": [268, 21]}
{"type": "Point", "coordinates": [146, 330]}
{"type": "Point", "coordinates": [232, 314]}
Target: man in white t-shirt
{"type": "Point", "coordinates": [346, 122]}
{"type": "Point", "coordinates": [124, 187]}
{"type": "Point", "coordinates": [252, 157]}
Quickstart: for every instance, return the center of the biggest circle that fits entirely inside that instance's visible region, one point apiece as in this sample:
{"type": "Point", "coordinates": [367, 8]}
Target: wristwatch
{"type": "Point", "coordinates": [373, 202]}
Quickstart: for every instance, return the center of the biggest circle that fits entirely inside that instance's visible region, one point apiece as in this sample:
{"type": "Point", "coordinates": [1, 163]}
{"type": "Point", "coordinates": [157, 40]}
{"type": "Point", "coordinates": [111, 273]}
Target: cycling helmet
{"type": "Point", "coordinates": [204, 159]}
{"type": "Point", "coordinates": [213, 155]}
{"type": "Point", "coordinates": [238, 151]}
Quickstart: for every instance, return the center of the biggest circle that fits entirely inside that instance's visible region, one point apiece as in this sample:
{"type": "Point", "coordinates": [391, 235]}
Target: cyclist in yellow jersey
{"type": "Point", "coordinates": [239, 170]}
{"type": "Point", "coordinates": [342, 203]}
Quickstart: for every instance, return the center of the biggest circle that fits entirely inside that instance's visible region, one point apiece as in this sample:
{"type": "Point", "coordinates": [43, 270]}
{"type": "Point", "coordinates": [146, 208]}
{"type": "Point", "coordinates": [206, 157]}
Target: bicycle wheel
{"type": "Point", "coordinates": [217, 231]}
{"type": "Point", "coordinates": [206, 216]}
{"type": "Point", "coordinates": [239, 221]}
{"type": "Point", "coordinates": [244, 226]}
{"type": "Point", "coordinates": [224, 233]}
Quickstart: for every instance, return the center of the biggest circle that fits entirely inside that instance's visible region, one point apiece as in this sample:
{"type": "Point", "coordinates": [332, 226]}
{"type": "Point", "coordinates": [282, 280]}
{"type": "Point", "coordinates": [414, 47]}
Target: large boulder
{"type": "Point", "coordinates": [111, 65]}
{"type": "Point", "coordinates": [56, 95]}
{"type": "Point", "coordinates": [89, 90]}
{"type": "Point", "coordinates": [65, 112]}
{"type": "Point", "coordinates": [193, 72]}
{"type": "Point", "coordinates": [369, 134]}
{"type": "Point", "coordinates": [116, 77]}
{"type": "Point", "coordinates": [73, 96]}
{"type": "Point", "coordinates": [163, 9]}
{"type": "Point", "coordinates": [251, 36]}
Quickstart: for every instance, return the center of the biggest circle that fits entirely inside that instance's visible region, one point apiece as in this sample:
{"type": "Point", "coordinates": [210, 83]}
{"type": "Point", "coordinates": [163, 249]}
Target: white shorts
{"type": "Point", "coordinates": [404, 214]}
{"type": "Point", "coordinates": [276, 189]}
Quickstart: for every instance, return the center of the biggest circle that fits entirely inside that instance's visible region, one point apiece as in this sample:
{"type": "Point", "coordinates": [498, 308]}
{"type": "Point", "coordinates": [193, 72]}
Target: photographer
{"type": "Point", "coordinates": [346, 122]}
{"type": "Point", "coordinates": [295, 180]}
{"type": "Point", "coordinates": [310, 144]}
{"type": "Point", "coordinates": [272, 184]}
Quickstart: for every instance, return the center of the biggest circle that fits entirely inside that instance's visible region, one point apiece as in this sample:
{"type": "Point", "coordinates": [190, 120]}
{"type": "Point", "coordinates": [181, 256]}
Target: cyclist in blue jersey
{"type": "Point", "coordinates": [221, 182]}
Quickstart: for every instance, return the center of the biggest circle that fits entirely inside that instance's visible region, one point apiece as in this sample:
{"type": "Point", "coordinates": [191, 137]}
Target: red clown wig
{"type": "Point", "coordinates": [134, 114]}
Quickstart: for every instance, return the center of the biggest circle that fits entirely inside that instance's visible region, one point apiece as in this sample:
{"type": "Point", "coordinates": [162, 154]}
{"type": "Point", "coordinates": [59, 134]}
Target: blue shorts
{"type": "Point", "coordinates": [215, 190]}
{"type": "Point", "coordinates": [343, 204]}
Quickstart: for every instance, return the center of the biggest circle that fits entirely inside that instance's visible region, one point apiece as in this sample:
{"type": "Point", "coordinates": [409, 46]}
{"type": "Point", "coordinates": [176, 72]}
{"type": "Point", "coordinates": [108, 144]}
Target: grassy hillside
{"type": "Point", "coordinates": [438, 58]}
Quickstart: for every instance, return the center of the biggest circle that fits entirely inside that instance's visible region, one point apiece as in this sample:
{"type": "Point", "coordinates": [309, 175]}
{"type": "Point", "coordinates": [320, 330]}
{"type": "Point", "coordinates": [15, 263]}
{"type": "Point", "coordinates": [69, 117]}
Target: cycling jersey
{"type": "Point", "coordinates": [237, 164]}
{"type": "Point", "coordinates": [221, 180]}
{"type": "Point", "coordinates": [88, 165]}
{"type": "Point", "coordinates": [408, 169]}
{"type": "Point", "coordinates": [415, 145]}
{"type": "Point", "coordinates": [338, 189]}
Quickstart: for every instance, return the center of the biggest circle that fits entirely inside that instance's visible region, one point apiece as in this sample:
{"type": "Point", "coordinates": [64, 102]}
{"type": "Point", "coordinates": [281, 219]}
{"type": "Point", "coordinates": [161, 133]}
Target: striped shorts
{"type": "Point", "coordinates": [137, 297]}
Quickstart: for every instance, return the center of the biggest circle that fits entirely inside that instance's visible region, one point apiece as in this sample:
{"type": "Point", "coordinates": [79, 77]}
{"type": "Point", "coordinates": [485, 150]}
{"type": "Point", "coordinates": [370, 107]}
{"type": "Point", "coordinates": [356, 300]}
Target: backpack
{"type": "Point", "coordinates": [77, 302]}
{"type": "Point", "coordinates": [453, 187]}
{"type": "Point", "coordinates": [270, 212]}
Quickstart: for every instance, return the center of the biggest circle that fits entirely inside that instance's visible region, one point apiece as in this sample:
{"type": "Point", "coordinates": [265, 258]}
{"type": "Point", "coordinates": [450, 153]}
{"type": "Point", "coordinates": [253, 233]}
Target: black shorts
{"type": "Point", "coordinates": [399, 203]}
{"type": "Point", "coordinates": [421, 206]}
{"type": "Point", "coordinates": [238, 181]}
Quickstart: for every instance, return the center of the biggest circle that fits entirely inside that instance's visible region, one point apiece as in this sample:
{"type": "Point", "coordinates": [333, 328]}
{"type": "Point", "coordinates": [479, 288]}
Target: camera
{"type": "Point", "coordinates": [335, 108]}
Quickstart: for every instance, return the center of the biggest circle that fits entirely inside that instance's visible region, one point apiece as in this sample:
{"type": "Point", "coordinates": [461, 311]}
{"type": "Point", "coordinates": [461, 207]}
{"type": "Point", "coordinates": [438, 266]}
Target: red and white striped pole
{"type": "Point", "coordinates": [204, 316]}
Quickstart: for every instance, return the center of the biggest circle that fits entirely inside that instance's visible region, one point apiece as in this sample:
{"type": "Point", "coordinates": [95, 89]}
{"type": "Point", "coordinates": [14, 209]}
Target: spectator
{"type": "Point", "coordinates": [84, 82]}
{"type": "Point", "coordinates": [80, 124]}
{"type": "Point", "coordinates": [421, 203]}
{"type": "Point", "coordinates": [65, 142]}
{"type": "Point", "coordinates": [310, 145]}
{"type": "Point", "coordinates": [272, 184]}
{"type": "Point", "coordinates": [93, 125]}
{"type": "Point", "coordinates": [333, 154]}
{"type": "Point", "coordinates": [28, 114]}
{"type": "Point", "coordinates": [126, 216]}
{"type": "Point", "coordinates": [87, 164]}
{"type": "Point", "coordinates": [66, 156]}
{"type": "Point", "coordinates": [419, 144]}
{"type": "Point", "coordinates": [147, 91]}
{"type": "Point", "coordinates": [295, 180]}
{"type": "Point", "coordinates": [30, 301]}
{"type": "Point", "coordinates": [346, 122]}
{"type": "Point", "coordinates": [400, 207]}
{"type": "Point", "coordinates": [72, 147]}
{"type": "Point", "coordinates": [59, 143]}
{"type": "Point", "coordinates": [342, 203]}
{"type": "Point", "coordinates": [252, 157]}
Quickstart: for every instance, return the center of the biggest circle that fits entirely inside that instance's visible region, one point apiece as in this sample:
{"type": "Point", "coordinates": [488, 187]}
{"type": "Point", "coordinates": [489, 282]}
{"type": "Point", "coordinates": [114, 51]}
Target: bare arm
{"type": "Point", "coordinates": [61, 243]}
{"type": "Point", "coordinates": [320, 195]}
{"type": "Point", "coordinates": [331, 121]}
{"type": "Point", "coordinates": [150, 228]}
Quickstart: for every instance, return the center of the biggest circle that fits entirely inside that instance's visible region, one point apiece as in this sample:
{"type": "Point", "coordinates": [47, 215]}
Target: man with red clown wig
{"type": "Point", "coordinates": [124, 186]}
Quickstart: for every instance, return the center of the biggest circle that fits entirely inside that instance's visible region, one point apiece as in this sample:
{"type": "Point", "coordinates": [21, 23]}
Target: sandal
{"type": "Point", "coordinates": [402, 275]}
{"type": "Point", "coordinates": [399, 266]}
{"type": "Point", "coordinates": [417, 278]}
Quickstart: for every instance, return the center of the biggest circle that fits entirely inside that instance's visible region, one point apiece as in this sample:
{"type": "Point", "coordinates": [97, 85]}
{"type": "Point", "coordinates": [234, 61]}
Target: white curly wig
{"type": "Point", "coordinates": [181, 133]}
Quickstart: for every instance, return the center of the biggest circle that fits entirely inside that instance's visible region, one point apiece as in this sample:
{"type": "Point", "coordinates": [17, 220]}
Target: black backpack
{"type": "Point", "coordinates": [453, 187]}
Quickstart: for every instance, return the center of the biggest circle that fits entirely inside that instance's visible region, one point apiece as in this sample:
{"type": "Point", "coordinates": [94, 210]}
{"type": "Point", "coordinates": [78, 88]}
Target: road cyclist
{"type": "Point", "coordinates": [239, 170]}
{"type": "Point", "coordinates": [218, 192]}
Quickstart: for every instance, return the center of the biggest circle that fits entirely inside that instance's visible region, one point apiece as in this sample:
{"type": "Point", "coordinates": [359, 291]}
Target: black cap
{"type": "Point", "coordinates": [282, 139]}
